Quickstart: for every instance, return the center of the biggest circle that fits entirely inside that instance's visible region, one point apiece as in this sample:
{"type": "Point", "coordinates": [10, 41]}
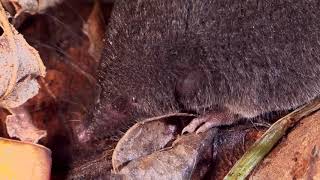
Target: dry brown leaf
{"type": "Point", "coordinates": [180, 161]}
{"type": "Point", "coordinates": [144, 152]}
{"type": "Point", "coordinates": [20, 65]}
{"type": "Point", "coordinates": [95, 29]}
{"type": "Point", "coordinates": [151, 136]}
{"type": "Point", "coordinates": [30, 6]}
{"type": "Point", "coordinates": [19, 125]}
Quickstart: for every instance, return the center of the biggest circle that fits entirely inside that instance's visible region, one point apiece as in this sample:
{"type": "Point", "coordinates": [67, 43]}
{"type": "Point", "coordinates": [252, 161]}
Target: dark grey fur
{"type": "Point", "coordinates": [249, 56]}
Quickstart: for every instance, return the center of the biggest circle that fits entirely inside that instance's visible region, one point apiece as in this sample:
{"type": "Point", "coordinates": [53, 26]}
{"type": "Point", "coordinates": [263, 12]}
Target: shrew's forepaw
{"type": "Point", "coordinates": [208, 121]}
{"type": "Point", "coordinates": [198, 125]}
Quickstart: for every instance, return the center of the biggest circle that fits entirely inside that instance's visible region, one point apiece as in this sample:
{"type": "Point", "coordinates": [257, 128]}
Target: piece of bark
{"type": "Point", "coordinates": [297, 156]}
{"type": "Point", "coordinates": [270, 138]}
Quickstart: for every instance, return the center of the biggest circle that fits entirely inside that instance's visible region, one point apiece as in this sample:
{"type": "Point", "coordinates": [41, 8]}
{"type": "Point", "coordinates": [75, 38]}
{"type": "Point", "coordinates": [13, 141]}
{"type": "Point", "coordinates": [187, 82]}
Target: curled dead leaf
{"type": "Point", "coordinates": [19, 125]}
{"type": "Point", "coordinates": [154, 149]}
{"type": "Point", "coordinates": [152, 134]}
{"type": "Point", "coordinates": [20, 64]}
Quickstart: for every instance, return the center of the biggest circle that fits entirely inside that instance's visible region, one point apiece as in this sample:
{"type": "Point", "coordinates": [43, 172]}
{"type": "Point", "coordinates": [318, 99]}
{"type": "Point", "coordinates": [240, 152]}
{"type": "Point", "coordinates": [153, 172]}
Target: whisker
{"type": "Point", "coordinates": [65, 26]}
{"type": "Point", "coordinates": [68, 57]}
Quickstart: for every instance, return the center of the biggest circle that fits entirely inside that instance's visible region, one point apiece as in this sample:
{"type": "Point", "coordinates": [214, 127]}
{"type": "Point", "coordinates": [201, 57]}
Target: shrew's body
{"type": "Point", "coordinates": [223, 59]}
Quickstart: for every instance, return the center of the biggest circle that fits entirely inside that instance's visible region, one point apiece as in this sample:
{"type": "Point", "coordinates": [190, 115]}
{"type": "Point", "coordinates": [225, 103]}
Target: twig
{"type": "Point", "coordinates": [261, 147]}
